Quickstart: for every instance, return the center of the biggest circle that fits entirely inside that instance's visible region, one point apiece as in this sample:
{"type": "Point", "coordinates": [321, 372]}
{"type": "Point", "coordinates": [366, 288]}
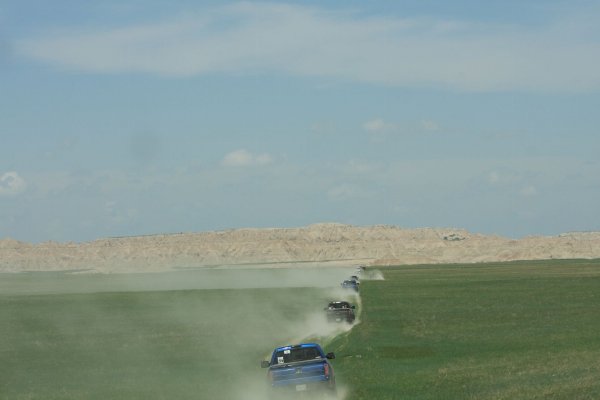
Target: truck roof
{"type": "Point", "coordinates": [297, 346]}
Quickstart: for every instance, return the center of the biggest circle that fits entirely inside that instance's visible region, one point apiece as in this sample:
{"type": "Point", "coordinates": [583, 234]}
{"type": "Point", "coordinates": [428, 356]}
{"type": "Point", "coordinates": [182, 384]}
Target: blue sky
{"type": "Point", "coordinates": [140, 117]}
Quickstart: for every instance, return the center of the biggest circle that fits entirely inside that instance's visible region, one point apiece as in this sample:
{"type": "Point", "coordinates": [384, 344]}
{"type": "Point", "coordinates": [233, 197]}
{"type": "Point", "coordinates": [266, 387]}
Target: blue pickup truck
{"type": "Point", "coordinates": [299, 368]}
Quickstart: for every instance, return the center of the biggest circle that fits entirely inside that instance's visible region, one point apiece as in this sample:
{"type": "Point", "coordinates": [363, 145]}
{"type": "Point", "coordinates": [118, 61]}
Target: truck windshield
{"type": "Point", "coordinates": [296, 354]}
{"type": "Point", "coordinates": [338, 305]}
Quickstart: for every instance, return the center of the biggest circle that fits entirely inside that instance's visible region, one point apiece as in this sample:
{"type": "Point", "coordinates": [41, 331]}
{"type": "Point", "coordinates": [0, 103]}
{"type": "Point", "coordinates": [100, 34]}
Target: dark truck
{"type": "Point", "coordinates": [350, 284]}
{"type": "Point", "coordinates": [338, 311]}
{"type": "Point", "coordinates": [299, 368]}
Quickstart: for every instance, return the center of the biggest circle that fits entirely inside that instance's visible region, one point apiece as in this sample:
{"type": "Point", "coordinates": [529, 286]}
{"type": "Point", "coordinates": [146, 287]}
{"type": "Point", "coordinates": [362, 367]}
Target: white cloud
{"type": "Point", "coordinates": [310, 41]}
{"type": "Point", "coordinates": [378, 129]}
{"type": "Point", "coordinates": [357, 167]}
{"type": "Point", "coordinates": [11, 184]}
{"type": "Point", "coordinates": [505, 178]}
{"type": "Point", "coordinates": [323, 127]}
{"type": "Point", "coordinates": [493, 178]}
{"type": "Point", "coordinates": [514, 181]}
{"type": "Point", "coordinates": [243, 158]}
{"type": "Point", "coordinates": [429, 126]}
{"type": "Point", "coordinates": [529, 191]}
{"type": "Point", "coordinates": [342, 192]}
{"type": "Point", "coordinates": [375, 125]}
{"type": "Point", "coordinates": [345, 191]}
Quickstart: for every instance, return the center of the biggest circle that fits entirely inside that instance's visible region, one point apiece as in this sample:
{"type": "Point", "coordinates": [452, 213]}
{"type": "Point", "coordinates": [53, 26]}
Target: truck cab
{"type": "Point", "coordinates": [340, 311]}
{"type": "Point", "coordinates": [299, 368]}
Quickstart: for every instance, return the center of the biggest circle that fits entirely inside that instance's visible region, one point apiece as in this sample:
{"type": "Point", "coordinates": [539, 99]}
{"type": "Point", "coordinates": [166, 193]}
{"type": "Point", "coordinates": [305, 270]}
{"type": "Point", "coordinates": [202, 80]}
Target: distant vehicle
{"type": "Point", "coordinates": [354, 277]}
{"type": "Point", "coordinates": [361, 268]}
{"type": "Point", "coordinates": [339, 311]}
{"type": "Point", "coordinates": [300, 368]}
{"type": "Point", "coordinates": [350, 284]}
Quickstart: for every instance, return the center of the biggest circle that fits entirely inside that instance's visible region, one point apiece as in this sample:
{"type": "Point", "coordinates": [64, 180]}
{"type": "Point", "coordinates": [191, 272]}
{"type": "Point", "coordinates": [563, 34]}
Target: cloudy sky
{"type": "Point", "coordinates": [139, 117]}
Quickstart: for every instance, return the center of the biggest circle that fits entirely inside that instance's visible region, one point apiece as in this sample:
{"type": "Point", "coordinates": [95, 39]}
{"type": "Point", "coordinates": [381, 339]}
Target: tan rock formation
{"type": "Point", "coordinates": [320, 244]}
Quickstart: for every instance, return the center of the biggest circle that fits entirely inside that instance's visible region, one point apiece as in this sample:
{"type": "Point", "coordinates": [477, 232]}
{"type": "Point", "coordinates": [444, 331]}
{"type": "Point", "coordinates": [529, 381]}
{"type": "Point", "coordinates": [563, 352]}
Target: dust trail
{"type": "Point", "coordinates": [185, 335]}
{"type": "Point", "coordinates": [251, 278]}
{"type": "Point", "coordinates": [313, 326]}
{"type": "Point", "coordinates": [372, 275]}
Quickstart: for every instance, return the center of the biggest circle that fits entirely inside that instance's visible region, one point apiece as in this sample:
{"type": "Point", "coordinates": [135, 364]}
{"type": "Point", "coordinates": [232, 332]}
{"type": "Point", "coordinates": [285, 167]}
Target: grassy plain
{"type": "Point", "coordinates": [526, 330]}
{"type": "Point", "coordinates": [522, 330]}
{"type": "Point", "coordinates": [69, 337]}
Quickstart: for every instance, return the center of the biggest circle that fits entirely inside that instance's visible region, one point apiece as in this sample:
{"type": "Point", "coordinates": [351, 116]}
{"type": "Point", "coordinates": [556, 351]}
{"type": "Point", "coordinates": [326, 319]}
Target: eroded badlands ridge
{"type": "Point", "coordinates": [320, 244]}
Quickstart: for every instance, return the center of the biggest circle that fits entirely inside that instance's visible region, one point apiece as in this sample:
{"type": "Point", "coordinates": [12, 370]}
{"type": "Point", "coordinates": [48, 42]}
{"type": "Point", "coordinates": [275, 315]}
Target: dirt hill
{"type": "Point", "coordinates": [320, 244]}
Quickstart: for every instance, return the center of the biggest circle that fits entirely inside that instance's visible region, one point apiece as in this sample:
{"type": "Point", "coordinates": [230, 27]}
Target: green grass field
{"type": "Point", "coordinates": [163, 343]}
{"type": "Point", "coordinates": [521, 330]}
{"type": "Point", "coordinates": [524, 330]}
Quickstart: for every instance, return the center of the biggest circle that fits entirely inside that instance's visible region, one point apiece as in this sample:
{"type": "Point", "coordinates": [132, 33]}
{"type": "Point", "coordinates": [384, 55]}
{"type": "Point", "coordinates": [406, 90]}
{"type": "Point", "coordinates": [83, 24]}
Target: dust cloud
{"type": "Point", "coordinates": [373, 275]}
{"type": "Point", "coordinates": [309, 324]}
{"type": "Point", "coordinates": [186, 335]}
